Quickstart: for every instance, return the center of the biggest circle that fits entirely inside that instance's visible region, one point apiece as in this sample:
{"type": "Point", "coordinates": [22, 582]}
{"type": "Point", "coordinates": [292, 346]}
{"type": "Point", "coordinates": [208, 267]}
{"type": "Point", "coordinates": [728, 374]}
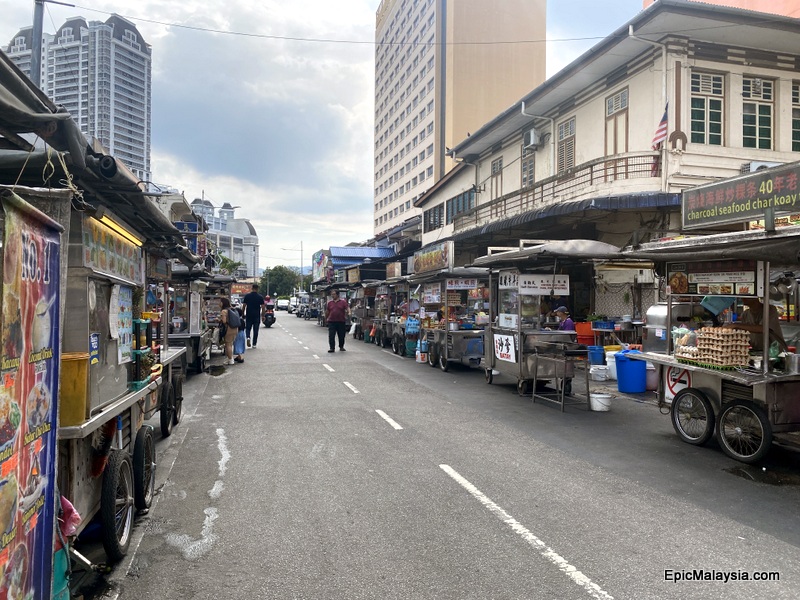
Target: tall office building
{"type": "Point", "coordinates": [443, 68]}
{"type": "Point", "coordinates": [100, 72]}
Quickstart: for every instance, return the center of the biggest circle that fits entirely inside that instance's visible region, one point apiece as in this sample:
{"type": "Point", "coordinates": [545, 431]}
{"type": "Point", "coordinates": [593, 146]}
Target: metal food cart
{"type": "Point", "coordinates": [187, 319]}
{"type": "Point", "coordinates": [707, 375]}
{"type": "Point", "coordinates": [456, 304]}
{"type": "Point", "coordinates": [217, 287]}
{"type": "Point", "coordinates": [517, 342]}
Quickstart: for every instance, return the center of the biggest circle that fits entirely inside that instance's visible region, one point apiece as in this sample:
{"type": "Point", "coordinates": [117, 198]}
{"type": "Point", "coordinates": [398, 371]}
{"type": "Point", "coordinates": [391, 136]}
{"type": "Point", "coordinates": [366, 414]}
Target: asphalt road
{"type": "Point", "coordinates": [306, 475]}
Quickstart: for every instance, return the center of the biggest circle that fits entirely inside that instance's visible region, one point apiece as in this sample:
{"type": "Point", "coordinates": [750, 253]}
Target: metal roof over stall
{"type": "Point", "coordinates": [779, 247]}
{"type": "Point", "coordinates": [548, 251]}
{"type": "Point", "coordinates": [348, 256]}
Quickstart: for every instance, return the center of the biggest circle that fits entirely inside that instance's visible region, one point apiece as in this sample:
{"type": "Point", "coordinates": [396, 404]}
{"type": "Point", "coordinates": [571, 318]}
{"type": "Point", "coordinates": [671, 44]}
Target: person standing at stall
{"type": "Point", "coordinates": [565, 322]}
{"type": "Point", "coordinates": [752, 320]}
{"type": "Point", "coordinates": [336, 313]}
{"type": "Point", "coordinates": [230, 331]}
{"type": "Point", "coordinates": [253, 305]}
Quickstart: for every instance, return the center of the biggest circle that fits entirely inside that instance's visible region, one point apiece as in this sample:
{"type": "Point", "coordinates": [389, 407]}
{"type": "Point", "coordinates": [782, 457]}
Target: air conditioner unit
{"type": "Point", "coordinates": [757, 165]}
{"type": "Point", "coordinates": [531, 139]}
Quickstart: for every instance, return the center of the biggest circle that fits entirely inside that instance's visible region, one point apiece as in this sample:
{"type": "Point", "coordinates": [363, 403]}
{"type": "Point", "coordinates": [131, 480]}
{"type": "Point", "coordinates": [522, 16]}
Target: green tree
{"type": "Point", "coordinates": [282, 280]}
{"type": "Point", "coordinates": [228, 266]}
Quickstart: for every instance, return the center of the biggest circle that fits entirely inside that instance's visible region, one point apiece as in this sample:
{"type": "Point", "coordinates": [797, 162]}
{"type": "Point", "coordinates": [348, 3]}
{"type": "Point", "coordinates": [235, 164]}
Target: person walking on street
{"type": "Point", "coordinates": [230, 332]}
{"type": "Point", "coordinates": [253, 305]}
{"type": "Point", "coordinates": [337, 311]}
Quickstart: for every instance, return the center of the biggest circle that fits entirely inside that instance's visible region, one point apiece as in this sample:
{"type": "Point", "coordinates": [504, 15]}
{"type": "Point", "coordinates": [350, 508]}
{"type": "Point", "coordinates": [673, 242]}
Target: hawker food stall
{"type": "Point", "coordinates": [521, 342]}
{"type": "Point", "coordinates": [454, 309]}
{"type": "Point", "coordinates": [187, 318]}
{"type": "Point", "coordinates": [732, 376]}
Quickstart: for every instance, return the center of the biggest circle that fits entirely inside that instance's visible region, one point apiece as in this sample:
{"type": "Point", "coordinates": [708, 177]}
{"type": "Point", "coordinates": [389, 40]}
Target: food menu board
{"type": "Point", "coordinates": [108, 252]}
{"type": "Point", "coordinates": [715, 278]}
{"type": "Point", "coordinates": [28, 412]}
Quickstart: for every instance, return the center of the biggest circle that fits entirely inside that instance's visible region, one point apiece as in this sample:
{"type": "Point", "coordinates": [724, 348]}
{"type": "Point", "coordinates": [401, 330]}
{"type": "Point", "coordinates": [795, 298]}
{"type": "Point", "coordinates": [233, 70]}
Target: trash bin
{"type": "Point", "coordinates": [631, 373]}
{"type": "Point", "coordinates": [596, 355]}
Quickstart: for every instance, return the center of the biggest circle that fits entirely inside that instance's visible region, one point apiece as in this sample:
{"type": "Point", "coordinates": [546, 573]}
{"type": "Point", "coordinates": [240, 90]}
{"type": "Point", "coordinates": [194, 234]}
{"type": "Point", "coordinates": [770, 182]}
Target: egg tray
{"type": "Point", "coordinates": [698, 363]}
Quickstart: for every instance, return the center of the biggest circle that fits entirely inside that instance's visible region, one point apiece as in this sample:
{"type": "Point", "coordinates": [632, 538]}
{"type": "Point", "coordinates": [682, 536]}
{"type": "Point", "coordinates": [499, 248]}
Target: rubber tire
{"type": "Point", "coordinates": [117, 505]}
{"type": "Point", "coordinates": [177, 414]}
{"type": "Point", "coordinates": [757, 426]}
{"type": "Point", "coordinates": [433, 355]}
{"type": "Point", "coordinates": [167, 409]}
{"type": "Point", "coordinates": [444, 364]}
{"type": "Point", "coordinates": [489, 376]}
{"type": "Point", "coordinates": [144, 468]}
{"type": "Point", "coordinates": [395, 345]}
{"type": "Point", "coordinates": [524, 387]}
{"type": "Point", "coordinates": [200, 363]}
{"type": "Point", "coordinates": [699, 404]}
{"type": "Point", "coordinates": [385, 343]}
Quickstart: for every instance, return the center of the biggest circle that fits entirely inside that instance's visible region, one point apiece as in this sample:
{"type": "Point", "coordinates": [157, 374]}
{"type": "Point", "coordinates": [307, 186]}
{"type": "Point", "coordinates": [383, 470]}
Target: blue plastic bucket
{"type": "Point", "coordinates": [631, 373]}
{"type": "Point", "coordinates": [596, 355]}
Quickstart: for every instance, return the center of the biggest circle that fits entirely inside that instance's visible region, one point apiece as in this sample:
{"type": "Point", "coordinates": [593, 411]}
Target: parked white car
{"type": "Point", "coordinates": [282, 304]}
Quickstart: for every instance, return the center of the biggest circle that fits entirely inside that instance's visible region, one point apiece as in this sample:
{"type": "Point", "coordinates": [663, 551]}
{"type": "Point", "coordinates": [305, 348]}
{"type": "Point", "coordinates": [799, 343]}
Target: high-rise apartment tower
{"type": "Point", "coordinates": [101, 73]}
{"type": "Point", "coordinates": [443, 68]}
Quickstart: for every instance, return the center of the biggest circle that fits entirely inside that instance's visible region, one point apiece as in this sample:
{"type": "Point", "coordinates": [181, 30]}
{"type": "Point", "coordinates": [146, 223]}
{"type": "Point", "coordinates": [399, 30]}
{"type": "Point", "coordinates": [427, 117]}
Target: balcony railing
{"type": "Point", "coordinates": [564, 187]}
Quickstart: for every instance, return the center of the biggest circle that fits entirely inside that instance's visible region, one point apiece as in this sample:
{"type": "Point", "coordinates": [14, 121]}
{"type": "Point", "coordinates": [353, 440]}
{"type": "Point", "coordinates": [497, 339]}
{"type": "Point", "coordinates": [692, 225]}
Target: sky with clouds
{"type": "Point", "coordinates": [269, 105]}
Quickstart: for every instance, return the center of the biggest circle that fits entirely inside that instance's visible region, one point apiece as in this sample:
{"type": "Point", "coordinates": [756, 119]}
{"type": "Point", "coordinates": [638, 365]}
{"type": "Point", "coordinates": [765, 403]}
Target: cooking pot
{"type": "Point", "coordinates": [793, 363]}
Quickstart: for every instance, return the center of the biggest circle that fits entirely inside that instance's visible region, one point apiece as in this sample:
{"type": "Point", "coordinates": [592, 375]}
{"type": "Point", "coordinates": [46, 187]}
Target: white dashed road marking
{"type": "Point", "coordinates": [594, 590]}
{"type": "Point", "coordinates": [389, 419]}
{"type": "Point", "coordinates": [351, 386]}
{"type": "Point", "coordinates": [330, 368]}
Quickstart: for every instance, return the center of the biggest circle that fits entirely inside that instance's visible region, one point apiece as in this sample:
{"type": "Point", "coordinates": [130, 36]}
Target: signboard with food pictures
{"type": "Point", "coordinates": [432, 293]}
{"type": "Point", "coordinates": [742, 199]}
{"type": "Point", "coordinates": [434, 257]}
{"type": "Point", "coordinates": [715, 278]}
{"type": "Point", "coordinates": [108, 252]}
{"type": "Point", "coordinates": [394, 270]}
{"type": "Point", "coordinates": [30, 367]}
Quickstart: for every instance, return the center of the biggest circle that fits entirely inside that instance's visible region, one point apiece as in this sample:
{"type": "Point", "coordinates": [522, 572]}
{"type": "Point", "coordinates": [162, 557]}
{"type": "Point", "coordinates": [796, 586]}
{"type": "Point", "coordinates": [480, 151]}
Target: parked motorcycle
{"type": "Point", "coordinates": [269, 315]}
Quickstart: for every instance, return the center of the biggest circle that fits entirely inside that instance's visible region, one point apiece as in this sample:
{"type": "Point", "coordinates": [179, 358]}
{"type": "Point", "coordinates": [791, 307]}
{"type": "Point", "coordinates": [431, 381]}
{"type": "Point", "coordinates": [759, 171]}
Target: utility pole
{"type": "Point", "coordinates": [36, 41]}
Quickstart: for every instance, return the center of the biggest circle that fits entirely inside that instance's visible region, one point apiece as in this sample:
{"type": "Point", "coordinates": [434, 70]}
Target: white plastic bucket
{"type": "Point", "coordinates": [599, 402]}
{"type": "Point", "coordinates": [598, 372]}
{"type": "Point", "coordinates": [651, 378]}
{"type": "Point", "coordinates": [611, 362]}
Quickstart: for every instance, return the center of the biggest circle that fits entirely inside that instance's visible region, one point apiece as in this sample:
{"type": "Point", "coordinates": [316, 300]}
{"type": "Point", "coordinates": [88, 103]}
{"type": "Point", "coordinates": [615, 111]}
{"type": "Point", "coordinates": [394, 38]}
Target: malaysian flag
{"type": "Point", "coordinates": [659, 138]}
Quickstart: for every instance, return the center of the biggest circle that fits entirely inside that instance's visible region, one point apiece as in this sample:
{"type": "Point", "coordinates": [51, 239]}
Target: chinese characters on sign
{"type": "Point", "coordinates": [505, 348]}
{"type": "Point", "coordinates": [544, 285]}
{"type": "Point", "coordinates": [747, 198]}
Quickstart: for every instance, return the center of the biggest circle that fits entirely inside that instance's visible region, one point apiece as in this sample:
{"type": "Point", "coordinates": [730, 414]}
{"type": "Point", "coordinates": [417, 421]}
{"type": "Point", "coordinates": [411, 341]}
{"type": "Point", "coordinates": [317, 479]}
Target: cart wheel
{"type": "Point", "coordinates": [177, 414]}
{"type": "Point", "coordinates": [167, 408]}
{"type": "Point", "coordinates": [144, 468]}
{"type": "Point", "coordinates": [489, 376]}
{"type": "Point", "coordinates": [116, 505]}
{"type": "Point", "coordinates": [744, 432]}
{"type": "Point", "coordinates": [433, 355]}
{"type": "Point", "coordinates": [524, 387]}
{"type": "Point", "coordinates": [692, 416]}
{"type": "Point", "coordinates": [385, 343]}
{"type": "Point", "coordinates": [395, 345]}
{"type": "Point", "coordinates": [444, 364]}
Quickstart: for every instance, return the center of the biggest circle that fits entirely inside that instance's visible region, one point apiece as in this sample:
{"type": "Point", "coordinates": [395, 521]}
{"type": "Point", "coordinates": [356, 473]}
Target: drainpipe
{"type": "Point", "coordinates": [663, 93]}
{"type": "Point", "coordinates": [552, 137]}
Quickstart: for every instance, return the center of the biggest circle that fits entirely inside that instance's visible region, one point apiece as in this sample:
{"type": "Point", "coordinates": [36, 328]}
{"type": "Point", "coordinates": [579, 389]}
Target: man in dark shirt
{"type": "Point", "coordinates": [336, 313]}
{"type": "Point", "coordinates": [253, 303]}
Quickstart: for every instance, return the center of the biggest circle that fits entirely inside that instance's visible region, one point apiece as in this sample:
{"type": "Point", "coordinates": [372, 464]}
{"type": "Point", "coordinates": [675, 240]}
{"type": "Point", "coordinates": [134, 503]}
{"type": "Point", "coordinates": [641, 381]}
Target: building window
{"type": "Point", "coordinates": [757, 113]}
{"type": "Point", "coordinates": [566, 145]}
{"type": "Point", "coordinates": [496, 182]}
{"type": "Point", "coordinates": [616, 103]}
{"type": "Point", "coordinates": [526, 167]}
{"type": "Point", "coordinates": [433, 218]}
{"type": "Point", "coordinates": [460, 204]}
{"type": "Point", "coordinates": [706, 108]}
{"type": "Point", "coordinates": [796, 117]}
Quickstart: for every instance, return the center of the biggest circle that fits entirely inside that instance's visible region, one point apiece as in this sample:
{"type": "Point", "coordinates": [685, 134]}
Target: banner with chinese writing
{"type": "Point", "coordinates": [28, 398]}
{"type": "Point", "coordinates": [743, 199]}
{"type": "Point", "coordinates": [505, 348]}
{"type": "Point", "coordinates": [544, 285]}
